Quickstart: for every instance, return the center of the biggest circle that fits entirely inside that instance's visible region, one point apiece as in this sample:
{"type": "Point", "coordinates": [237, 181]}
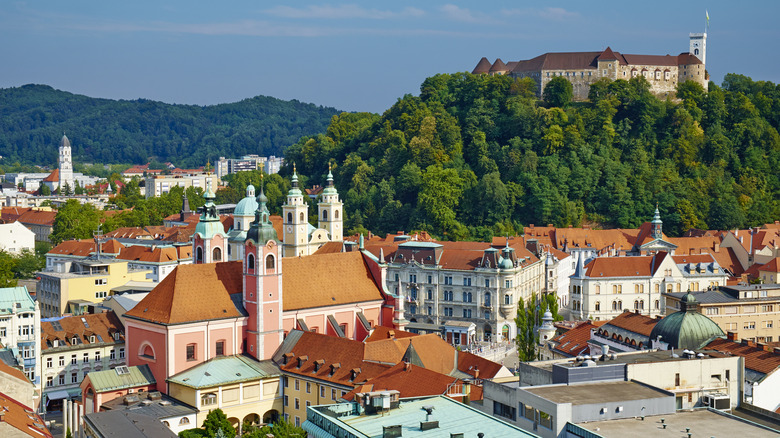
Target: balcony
{"type": "Point", "coordinates": [508, 310]}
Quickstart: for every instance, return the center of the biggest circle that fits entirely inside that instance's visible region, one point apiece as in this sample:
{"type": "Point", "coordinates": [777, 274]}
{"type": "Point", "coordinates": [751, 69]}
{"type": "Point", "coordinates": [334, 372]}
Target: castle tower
{"type": "Point", "coordinates": [331, 212]}
{"type": "Point", "coordinates": [65, 164]}
{"type": "Point", "coordinates": [295, 214]}
{"type": "Point", "coordinates": [656, 225]}
{"type": "Point", "coordinates": [209, 243]}
{"type": "Point", "coordinates": [263, 285]}
{"type": "Point", "coordinates": [698, 47]}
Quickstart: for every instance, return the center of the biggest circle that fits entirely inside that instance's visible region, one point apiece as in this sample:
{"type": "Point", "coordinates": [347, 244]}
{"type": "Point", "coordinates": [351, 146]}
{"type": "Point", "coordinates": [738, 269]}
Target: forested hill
{"type": "Point", "coordinates": [33, 118]}
{"type": "Point", "coordinates": [475, 156]}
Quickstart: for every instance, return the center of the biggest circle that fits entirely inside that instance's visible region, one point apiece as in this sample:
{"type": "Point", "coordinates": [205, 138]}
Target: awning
{"type": "Point", "coordinates": [56, 395]}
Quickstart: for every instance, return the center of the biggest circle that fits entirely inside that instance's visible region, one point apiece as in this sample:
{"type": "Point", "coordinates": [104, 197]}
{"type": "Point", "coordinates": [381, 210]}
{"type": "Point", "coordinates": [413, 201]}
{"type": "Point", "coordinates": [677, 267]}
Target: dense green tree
{"type": "Point", "coordinates": [75, 221]}
{"type": "Point", "coordinates": [279, 429]}
{"type": "Point", "coordinates": [558, 92]}
{"type": "Point", "coordinates": [217, 421]}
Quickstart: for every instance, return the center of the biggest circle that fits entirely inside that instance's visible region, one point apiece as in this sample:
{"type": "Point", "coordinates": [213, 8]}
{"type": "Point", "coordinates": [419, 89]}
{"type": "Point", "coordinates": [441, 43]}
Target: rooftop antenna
{"type": "Point", "coordinates": [98, 234]}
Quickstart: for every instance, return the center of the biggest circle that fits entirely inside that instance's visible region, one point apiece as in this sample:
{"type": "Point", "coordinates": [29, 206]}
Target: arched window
{"type": "Point", "coordinates": [302, 219]}
{"type": "Point", "coordinates": [598, 306]}
{"type": "Point", "coordinates": [250, 262]}
{"type": "Point", "coordinates": [199, 255]}
{"type": "Point", "coordinates": [642, 304]}
{"type": "Point", "coordinates": [487, 298]}
{"type": "Point", "coordinates": [184, 420]}
{"type": "Point", "coordinates": [696, 52]}
{"type": "Point", "coordinates": [657, 304]}
{"type": "Point", "coordinates": [217, 254]}
{"type": "Point", "coordinates": [269, 262]}
{"type": "Point", "coordinates": [336, 214]}
{"type": "Point", "coordinates": [507, 299]}
{"type": "Point", "coordinates": [324, 215]}
{"type": "Point", "coordinates": [146, 351]}
{"type": "Point", "coordinates": [289, 217]}
{"type": "Point", "coordinates": [636, 304]}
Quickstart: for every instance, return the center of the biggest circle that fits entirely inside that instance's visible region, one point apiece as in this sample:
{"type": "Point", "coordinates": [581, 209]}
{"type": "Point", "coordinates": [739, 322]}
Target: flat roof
{"type": "Point", "coordinates": [702, 422]}
{"type": "Point", "coordinates": [453, 417]}
{"type": "Point", "coordinates": [646, 357]}
{"type": "Point", "coordinates": [589, 393]}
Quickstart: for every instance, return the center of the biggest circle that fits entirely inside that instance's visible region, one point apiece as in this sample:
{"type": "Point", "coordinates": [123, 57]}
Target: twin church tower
{"type": "Point", "coordinates": [252, 221]}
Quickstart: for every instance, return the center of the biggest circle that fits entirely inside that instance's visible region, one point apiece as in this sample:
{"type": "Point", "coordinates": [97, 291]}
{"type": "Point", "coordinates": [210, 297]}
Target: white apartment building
{"type": "Point", "coordinates": [160, 184]}
{"type": "Point", "coordinates": [475, 282]}
{"type": "Point", "coordinates": [605, 286]}
{"type": "Point", "coordinates": [20, 319]}
{"type": "Point", "coordinates": [72, 347]}
{"type": "Point", "coordinates": [15, 238]}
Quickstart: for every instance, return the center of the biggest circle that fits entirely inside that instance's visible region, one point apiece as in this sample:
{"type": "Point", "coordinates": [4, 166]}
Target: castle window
{"type": "Point", "coordinates": [269, 262]}
{"type": "Point", "coordinates": [289, 217]}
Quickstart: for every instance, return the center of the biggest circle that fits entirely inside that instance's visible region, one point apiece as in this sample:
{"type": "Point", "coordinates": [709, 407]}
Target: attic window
{"type": "Point", "coordinates": [92, 338]}
{"type": "Point", "coordinates": [286, 358]}
{"type": "Point", "coordinates": [302, 360]}
{"type": "Point", "coordinates": [334, 367]}
{"type": "Point", "coordinates": [354, 373]}
{"type": "Point", "coordinates": [318, 364]}
{"type": "Point", "coordinates": [74, 340]}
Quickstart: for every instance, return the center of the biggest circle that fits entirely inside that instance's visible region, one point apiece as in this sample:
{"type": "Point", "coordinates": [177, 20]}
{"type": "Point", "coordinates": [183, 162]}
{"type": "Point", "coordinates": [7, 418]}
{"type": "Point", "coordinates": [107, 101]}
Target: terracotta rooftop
{"type": "Point", "coordinates": [410, 380]}
{"type": "Point", "coordinates": [22, 418]}
{"type": "Point", "coordinates": [13, 372]}
{"type": "Point", "coordinates": [633, 322]}
{"type": "Point", "coordinates": [328, 280]}
{"type": "Point", "coordinates": [639, 266]}
{"type": "Point", "coordinates": [191, 293]}
{"type": "Point", "coordinates": [167, 254]}
{"type": "Point", "coordinates": [82, 327]}
{"type": "Point", "coordinates": [86, 247]}
{"type": "Point", "coordinates": [11, 214]}
{"type": "Point", "coordinates": [53, 177]}
{"type": "Point", "coordinates": [483, 66]}
{"type": "Point", "coordinates": [773, 266]}
{"type": "Point", "coordinates": [381, 333]}
{"type": "Point", "coordinates": [38, 217]}
{"type": "Point", "coordinates": [574, 342]}
{"type": "Point", "coordinates": [756, 358]}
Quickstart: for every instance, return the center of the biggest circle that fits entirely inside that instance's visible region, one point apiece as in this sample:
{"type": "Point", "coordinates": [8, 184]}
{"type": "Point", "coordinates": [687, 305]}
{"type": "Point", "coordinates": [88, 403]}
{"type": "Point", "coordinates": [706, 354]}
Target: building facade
{"type": "Point", "coordinates": [15, 238]}
{"type": "Point", "coordinates": [584, 68]}
{"type": "Point", "coordinates": [20, 322]}
{"type": "Point", "coordinates": [73, 346]}
{"type": "Point", "coordinates": [157, 185]}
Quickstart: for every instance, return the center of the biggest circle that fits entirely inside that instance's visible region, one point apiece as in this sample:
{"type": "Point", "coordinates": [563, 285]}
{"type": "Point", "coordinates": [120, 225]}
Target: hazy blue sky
{"type": "Point", "coordinates": [355, 56]}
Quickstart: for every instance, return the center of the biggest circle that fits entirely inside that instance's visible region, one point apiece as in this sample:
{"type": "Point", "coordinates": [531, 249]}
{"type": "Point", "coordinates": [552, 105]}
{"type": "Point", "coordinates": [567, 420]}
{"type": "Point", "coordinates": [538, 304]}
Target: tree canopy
{"type": "Point", "coordinates": [477, 155]}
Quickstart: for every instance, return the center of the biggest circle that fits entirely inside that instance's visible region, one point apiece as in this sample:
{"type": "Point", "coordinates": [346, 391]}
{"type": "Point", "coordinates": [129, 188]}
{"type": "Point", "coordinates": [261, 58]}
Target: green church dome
{"type": "Point", "coordinates": [687, 328]}
{"type": "Point", "coordinates": [261, 230]}
{"type": "Point", "coordinates": [248, 205]}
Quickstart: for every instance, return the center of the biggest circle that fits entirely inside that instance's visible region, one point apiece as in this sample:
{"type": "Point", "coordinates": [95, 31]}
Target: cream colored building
{"type": "Point", "coordinates": [160, 184]}
{"type": "Point", "coordinates": [15, 238]}
{"type": "Point", "coordinates": [750, 311]}
{"type": "Point", "coordinates": [246, 390]}
{"type": "Point", "coordinates": [88, 282]}
{"type": "Point", "coordinates": [606, 286]}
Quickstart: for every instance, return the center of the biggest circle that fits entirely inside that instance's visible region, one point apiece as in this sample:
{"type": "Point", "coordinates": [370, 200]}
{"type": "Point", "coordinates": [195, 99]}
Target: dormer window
{"type": "Point", "coordinates": [354, 372]}
{"type": "Point", "coordinates": [74, 341]}
{"type": "Point", "coordinates": [286, 358]}
{"type": "Point", "coordinates": [302, 360]}
{"type": "Point", "coordinates": [318, 364]}
{"type": "Point", "coordinates": [92, 339]}
{"type": "Point", "coordinates": [334, 367]}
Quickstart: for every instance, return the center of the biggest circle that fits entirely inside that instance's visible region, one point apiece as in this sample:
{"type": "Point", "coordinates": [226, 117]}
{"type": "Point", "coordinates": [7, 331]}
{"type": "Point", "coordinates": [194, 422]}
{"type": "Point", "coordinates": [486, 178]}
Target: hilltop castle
{"type": "Point", "coordinates": [584, 68]}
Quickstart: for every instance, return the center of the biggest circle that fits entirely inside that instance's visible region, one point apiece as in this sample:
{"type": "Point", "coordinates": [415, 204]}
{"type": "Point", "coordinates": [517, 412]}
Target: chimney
{"type": "Point", "coordinates": [731, 336]}
{"type": "Point", "coordinates": [764, 346]}
{"type": "Point", "coordinates": [476, 372]}
{"type": "Point", "coordinates": [717, 247]}
{"type": "Point", "coordinates": [407, 366]}
{"type": "Point", "coordinates": [391, 334]}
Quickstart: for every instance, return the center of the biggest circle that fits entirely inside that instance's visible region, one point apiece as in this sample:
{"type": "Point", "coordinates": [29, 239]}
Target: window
{"type": "Point", "coordinates": [49, 362]}
{"type": "Point", "coordinates": [322, 391]}
{"type": "Point", "coordinates": [448, 311]}
{"type": "Point", "coordinates": [657, 305]}
{"type": "Point", "coordinates": [308, 387]}
{"type": "Point", "coordinates": [61, 379]}
{"type": "Point", "coordinates": [504, 411]}
{"type": "Point", "coordinates": [250, 262]}
{"type": "Point", "coordinates": [429, 294]}
{"type": "Point", "coordinates": [183, 421]}
{"type": "Point", "coordinates": [302, 218]}
{"type": "Point", "coordinates": [617, 288]}
{"type": "Point", "coordinates": [49, 381]}
{"type": "Point", "coordinates": [467, 281]}
{"type": "Point", "coordinates": [217, 254]}
{"type": "Point", "coordinates": [297, 404]}
{"type": "Point", "coordinates": [289, 217]}
{"type": "Point", "coordinates": [122, 353]}
{"type": "Point", "coordinates": [333, 394]}
{"type": "Point", "coordinates": [297, 421]}
{"type": "Point", "coordinates": [677, 379]}
{"type": "Point", "coordinates": [466, 297]}
{"type": "Point", "coordinates": [448, 280]}
{"type": "Point", "coordinates": [101, 281]}
{"type": "Point", "coordinates": [598, 306]}
{"type": "Point", "coordinates": [508, 299]}
{"type": "Point", "coordinates": [598, 289]}
{"type": "Point", "coordinates": [448, 295]}
{"type": "Point", "coordinates": [73, 359]}
{"type": "Point", "coordinates": [768, 324]}
{"type": "Point", "coordinates": [102, 294]}
{"type": "Point", "coordinates": [208, 399]}
{"type": "Point", "coordinates": [487, 282]}
{"type": "Point", "coordinates": [191, 352]}
{"type": "Point", "coordinates": [750, 325]}
{"type": "Point", "coordinates": [767, 308]}
{"type": "Point", "coordinates": [430, 279]}
{"type": "Point", "coordinates": [430, 310]}
{"type": "Point", "coordinates": [74, 377]}
{"type": "Point", "coordinates": [199, 255]}
{"type": "Point", "coordinates": [270, 263]}
{"type": "Point", "coordinates": [297, 385]}
{"type": "Point", "coordinates": [85, 358]}
{"type": "Point", "coordinates": [507, 283]}
{"type": "Point", "coordinates": [487, 299]}
{"type": "Point", "coordinates": [467, 313]}
{"type": "Point", "coordinates": [730, 310]}
{"type": "Point", "coordinates": [112, 354]}
{"type": "Point", "coordinates": [412, 278]}
{"type": "Point", "coordinates": [97, 356]}
{"type": "Point", "coordinates": [220, 350]}
{"type": "Point", "coordinates": [712, 310]}
{"type": "Point", "coordinates": [62, 361]}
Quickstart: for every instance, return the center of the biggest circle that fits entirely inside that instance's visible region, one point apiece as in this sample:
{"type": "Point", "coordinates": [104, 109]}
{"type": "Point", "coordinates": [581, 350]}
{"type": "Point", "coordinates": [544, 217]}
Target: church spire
{"type": "Point", "coordinates": [261, 230]}
{"type": "Point", "coordinates": [656, 225]}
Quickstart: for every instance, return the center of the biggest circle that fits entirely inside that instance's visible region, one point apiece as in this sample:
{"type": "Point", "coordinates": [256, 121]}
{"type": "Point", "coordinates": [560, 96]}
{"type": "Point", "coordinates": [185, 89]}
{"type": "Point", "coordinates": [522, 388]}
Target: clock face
{"type": "Point", "coordinates": [289, 229]}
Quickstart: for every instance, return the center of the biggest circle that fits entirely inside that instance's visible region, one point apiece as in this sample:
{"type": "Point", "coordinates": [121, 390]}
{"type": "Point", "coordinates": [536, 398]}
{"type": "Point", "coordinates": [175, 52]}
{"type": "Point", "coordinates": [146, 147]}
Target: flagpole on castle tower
{"type": "Point", "coordinates": [706, 20]}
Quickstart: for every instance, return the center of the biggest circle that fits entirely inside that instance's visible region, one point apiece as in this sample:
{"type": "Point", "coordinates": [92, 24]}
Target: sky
{"type": "Point", "coordinates": [354, 56]}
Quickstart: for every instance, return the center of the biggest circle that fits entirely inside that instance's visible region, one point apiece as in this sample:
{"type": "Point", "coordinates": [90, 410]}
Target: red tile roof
{"type": "Point", "coordinates": [756, 358]}
{"type": "Point", "coordinates": [381, 333]}
{"type": "Point", "coordinates": [22, 418]}
{"type": "Point", "coordinates": [13, 372]}
{"type": "Point", "coordinates": [11, 214]}
{"type": "Point", "coordinates": [328, 280]}
{"type": "Point", "coordinates": [101, 325]}
{"type": "Point", "coordinates": [574, 342]}
{"type": "Point", "coordinates": [159, 254]}
{"type": "Point", "coordinates": [38, 217]}
{"type": "Point", "coordinates": [773, 266]}
{"type": "Point", "coordinates": [193, 293]}
{"type": "Point", "coordinates": [640, 266]}
{"type": "Point", "coordinates": [53, 177]}
{"type": "Point", "coordinates": [634, 322]}
{"type": "Point", "coordinates": [410, 380]}
{"type": "Point", "coordinates": [85, 248]}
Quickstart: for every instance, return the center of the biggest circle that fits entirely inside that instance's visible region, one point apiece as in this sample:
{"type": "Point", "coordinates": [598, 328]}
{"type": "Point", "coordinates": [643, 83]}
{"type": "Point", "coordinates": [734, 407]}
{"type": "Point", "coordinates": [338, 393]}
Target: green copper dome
{"type": "Point", "coordinates": [248, 205]}
{"type": "Point", "coordinates": [688, 328]}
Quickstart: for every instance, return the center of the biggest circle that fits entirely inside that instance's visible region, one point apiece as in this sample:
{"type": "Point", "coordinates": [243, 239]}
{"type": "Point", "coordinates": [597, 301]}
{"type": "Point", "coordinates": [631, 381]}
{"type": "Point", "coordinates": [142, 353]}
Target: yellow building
{"type": "Point", "coordinates": [246, 390]}
{"type": "Point", "coordinates": [750, 311]}
{"type": "Point", "coordinates": [87, 282]}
